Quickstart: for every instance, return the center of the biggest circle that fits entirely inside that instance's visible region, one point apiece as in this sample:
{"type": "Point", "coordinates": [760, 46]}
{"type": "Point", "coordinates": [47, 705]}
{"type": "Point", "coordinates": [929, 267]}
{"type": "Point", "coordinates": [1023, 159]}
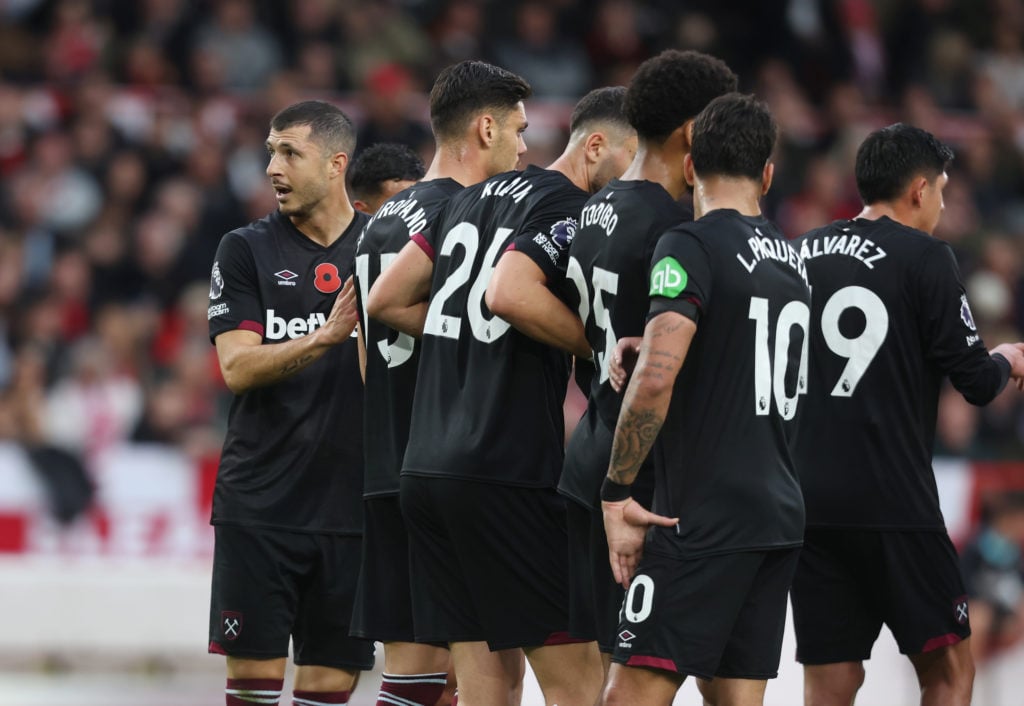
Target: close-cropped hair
{"type": "Point", "coordinates": [601, 105]}
{"type": "Point", "coordinates": [733, 136]}
{"type": "Point", "coordinates": [891, 157]}
{"type": "Point", "coordinates": [329, 127]}
{"type": "Point", "coordinates": [382, 162]}
{"type": "Point", "coordinates": [463, 90]}
{"type": "Point", "coordinates": [673, 87]}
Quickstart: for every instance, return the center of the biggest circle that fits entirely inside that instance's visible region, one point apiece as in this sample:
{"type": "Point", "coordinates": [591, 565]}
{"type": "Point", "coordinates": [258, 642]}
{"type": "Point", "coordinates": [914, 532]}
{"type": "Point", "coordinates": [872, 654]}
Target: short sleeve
{"type": "Point", "coordinates": [546, 236]}
{"type": "Point", "coordinates": [234, 289]}
{"type": "Point", "coordinates": [680, 275]}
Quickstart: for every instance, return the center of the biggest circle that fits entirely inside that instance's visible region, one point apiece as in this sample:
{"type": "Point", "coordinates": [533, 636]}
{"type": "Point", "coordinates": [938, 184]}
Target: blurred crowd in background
{"type": "Point", "coordinates": [131, 140]}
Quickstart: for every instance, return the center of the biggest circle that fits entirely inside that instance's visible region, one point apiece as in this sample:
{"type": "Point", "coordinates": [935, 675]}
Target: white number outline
{"type": "Point", "coordinates": [401, 350]}
{"type": "Point", "coordinates": [603, 281]}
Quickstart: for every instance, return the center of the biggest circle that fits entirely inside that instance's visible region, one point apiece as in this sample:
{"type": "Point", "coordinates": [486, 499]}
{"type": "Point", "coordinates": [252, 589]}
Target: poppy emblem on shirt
{"type": "Point", "coordinates": [965, 313]}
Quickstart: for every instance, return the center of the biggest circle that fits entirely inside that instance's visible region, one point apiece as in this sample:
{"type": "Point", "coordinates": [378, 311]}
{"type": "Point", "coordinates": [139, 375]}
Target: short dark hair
{"type": "Point", "coordinates": [466, 88]}
{"type": "Point", "coordinates": [601, 105]}
{"type": "Point", "coordinates": [329, 127]}
{"type": "Point", "coordinates": [733, 136]}
{"type": "Point", "coordinates": [384, 161]}
{"type": "Point", "coordinates": [673, 87]}
{"type": "Point", "coordinates": [890, 157]}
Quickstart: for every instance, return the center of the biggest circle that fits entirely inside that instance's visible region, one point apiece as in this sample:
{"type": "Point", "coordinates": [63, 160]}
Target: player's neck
{"type": "Point", "coordinates": [719, 192]}
{"type": "Point", "coordinates": [458, 162]}
{"type": "Point", "coordinates": [873, 212]}
{"type": "Point", "coordinates": [573, 165]}
{"type": "Point", "coordinates": [654, 165]}
{"type": "Point", "coordinates": [325, 224]}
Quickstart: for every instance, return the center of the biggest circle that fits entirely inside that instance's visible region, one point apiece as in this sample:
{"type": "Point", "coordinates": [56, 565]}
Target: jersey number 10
{"type": "Point", "coordinates": [858, 351]}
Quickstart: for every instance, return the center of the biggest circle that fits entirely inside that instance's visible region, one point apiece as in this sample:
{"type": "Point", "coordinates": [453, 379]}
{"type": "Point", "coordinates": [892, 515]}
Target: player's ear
{"type": "Point", "coordinates": [595, 142]}
{"type": "Point", "coordinates": [766, 177]}
{"type": "Point", "coordinates": [361, 206]}
{"type": "Point", "coordinates": [339, 163]}
{"type": "Point", "coordinates": [486, 128]}
{"type": "Point", "coordinates": [687, 135]}
{"type": "Point", "coordinates": [917, 188]}
{"type": "Point", "coordinates": [688, 172]}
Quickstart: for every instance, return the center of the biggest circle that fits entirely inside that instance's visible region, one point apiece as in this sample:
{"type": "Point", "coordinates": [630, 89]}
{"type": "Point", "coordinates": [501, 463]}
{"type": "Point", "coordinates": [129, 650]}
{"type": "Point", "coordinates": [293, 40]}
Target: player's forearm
{"type": "Point", "coordinates": [536, 312]}
{"type": "Point", "coordinates": [640, 420]}
{"type": "Point", "coordinates": [407, 318]}
{"type": "Point", "coordinates": [249, 367]}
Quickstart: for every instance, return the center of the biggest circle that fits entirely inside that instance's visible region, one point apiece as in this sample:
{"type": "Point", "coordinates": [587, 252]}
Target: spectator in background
{"type": "Point", "coordinates": [243, 52]}
{"type": "Point", "coordinates": [389, 99]}
{"type": "Point", "coordinates": [994, 575]}
{"type": "Point", "coordinates": [554, 63]}
{"type": "Point", "coordinates": [380, 172]}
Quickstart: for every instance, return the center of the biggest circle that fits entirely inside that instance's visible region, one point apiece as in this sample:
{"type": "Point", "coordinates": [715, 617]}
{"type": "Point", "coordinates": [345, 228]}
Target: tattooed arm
{"type": "Point", "coordinates": [666, 341]}
{"type": "Point", "coordinates": [246, 362]}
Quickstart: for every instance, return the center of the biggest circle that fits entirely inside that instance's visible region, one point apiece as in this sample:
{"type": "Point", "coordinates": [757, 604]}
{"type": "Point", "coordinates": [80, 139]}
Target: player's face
{"type": "Point", "coordinates": [932, 204]}
{"type": "Point", "coordinates": [509, 144]}
{"type": "Point", "coordinates": [298, 170]}
{"type": "Point", "coordinates": [615, 160]}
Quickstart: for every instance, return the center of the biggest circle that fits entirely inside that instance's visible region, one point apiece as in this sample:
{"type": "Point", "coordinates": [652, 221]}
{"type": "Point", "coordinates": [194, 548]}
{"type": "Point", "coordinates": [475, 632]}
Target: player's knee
{"type": "Point", "coordinates": [615, 694]}
{"type": "Point", "coordinates": [830, 684]}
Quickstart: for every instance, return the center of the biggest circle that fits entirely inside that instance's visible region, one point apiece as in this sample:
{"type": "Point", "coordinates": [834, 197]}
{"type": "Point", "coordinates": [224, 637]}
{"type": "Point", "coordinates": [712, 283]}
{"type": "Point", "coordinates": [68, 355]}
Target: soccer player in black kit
{"type": "Point", "coordinates": [714, 398]}
{"type": "Point", "coordinates": [381, 171]}
{"type": "Point", "coordinates": [477, 118]}
{"type": "Point", "coordinates": [890, 320]}
{"type": "Point", "coordinates": [486, 524]}
{"type": "Point", "coordinates": [287, 506]}
{"type": "Point", "coordinates": [609, 262]}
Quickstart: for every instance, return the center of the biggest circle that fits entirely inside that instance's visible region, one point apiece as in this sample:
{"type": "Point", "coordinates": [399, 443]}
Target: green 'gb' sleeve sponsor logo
{"type": "Point", "coordinates": [668, 278]}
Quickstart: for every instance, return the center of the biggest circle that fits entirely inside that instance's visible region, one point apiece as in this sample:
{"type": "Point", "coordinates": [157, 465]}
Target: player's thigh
{"type": "Point", "coordinates": [754, 648]}
{"type": "Point", "coordinates": [836, 616]}
{"type": "Point", "coordinates": [582, 580]}
{"type": "Point", "coordinates": [925, 602]}
{"type": "Point", "coordinates": [383, 602]}
{"type": "Point", "coordinates": [442, 604]}
{"type": "Point", "coordinates": [678, 613]}
{"type": "Point", "coordinates": [323, 620]}
{"type": "Point", "coordinates": [255, 590]}
{"type": "Point", "coordinates": [513, 545]}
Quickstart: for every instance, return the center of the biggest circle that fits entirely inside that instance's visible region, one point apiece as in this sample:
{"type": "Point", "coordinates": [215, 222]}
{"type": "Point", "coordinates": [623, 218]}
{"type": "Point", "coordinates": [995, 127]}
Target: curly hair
{"type": "Point", "coordinates": [673, 87]}
{"type": "Point", "coordinates": [384, 161]}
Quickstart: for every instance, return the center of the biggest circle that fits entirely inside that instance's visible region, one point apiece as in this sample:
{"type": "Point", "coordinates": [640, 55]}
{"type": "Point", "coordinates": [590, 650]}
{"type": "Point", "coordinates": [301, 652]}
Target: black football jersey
{"type": "Point", "coordinates": [488, 402]}
{"type": "Point", "coordinates": [889, 319]}
{"type": "Point", "coordinates": [391, 357]}
{"type": "Point", "coordinates": [293, 453]}
{"type": "Point", "coordinates": [722, 460]}
{"type": "Point", "coordinates": [610, 258]}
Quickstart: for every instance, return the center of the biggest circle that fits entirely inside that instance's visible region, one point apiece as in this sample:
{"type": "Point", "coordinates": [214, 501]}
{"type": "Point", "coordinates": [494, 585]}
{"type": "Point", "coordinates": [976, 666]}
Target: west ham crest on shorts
{"type": "Point", "coordinates": [960, 610]}
{"type": "Point", "coordinates": [231, 624]}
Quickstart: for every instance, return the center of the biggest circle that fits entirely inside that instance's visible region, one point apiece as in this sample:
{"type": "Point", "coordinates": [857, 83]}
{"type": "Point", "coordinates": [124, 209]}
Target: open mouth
{"type": "Point", "coordinates": [281, 191]}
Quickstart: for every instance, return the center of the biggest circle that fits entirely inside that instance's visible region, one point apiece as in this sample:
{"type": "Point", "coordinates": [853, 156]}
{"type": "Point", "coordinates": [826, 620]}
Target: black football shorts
{"type": "Point", "coordinates": [849, 582]}
{"type": "Point", "coordinates": [487, 562]}
{"type": "Point", "coordinates": [269, 585]}
{"type": "Point", "coordinates": [712, 616]}
{"type": "Point", "coordinates": [383, 607]}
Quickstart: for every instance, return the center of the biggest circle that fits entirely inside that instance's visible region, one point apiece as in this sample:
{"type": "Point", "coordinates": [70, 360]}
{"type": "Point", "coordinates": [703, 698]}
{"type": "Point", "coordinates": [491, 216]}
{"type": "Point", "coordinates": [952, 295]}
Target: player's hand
{"type": "Point", "coordinates": [1014, 353]}
{"type": "Point", "coordinates": [625, 524]}
{"type": "Point", "coordinates": [341, 322]}
{"type": "Point", "coordinates": [624, 357]}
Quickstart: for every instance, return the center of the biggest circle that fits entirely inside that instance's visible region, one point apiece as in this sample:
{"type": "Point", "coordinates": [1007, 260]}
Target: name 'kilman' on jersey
{"type": "Point", "coordinates": [293, 453]}
{"type": "Point", "coordinates": [488, 403]}
{"type": "Point", "coordinates": [890, 319]}
{"type": "Point", "coordinates": [722, 460]}
{"type": "Point", "coordinates": [392, 358]}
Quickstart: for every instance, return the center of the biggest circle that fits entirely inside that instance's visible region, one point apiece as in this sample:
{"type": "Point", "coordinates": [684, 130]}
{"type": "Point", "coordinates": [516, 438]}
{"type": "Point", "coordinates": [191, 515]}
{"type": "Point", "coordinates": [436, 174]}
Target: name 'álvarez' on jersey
{"type": "Point", "coordinates": [889, 320]}
{"type": "Point", "coordinates": [293, 452]}
{"type": "Point", "coordinates": [488, 403]}
{"type": "Point", "coordinates": [392, 358]}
